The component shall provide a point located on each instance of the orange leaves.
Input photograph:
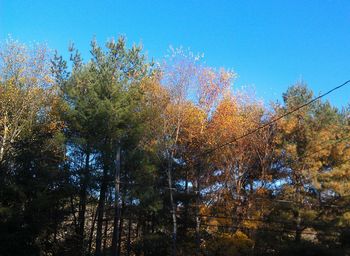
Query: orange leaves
(192, 124)
(226, 120)
(289, 125)
(234, 117)
(212, 85)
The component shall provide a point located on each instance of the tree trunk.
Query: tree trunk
(186, 205)
(128, 243)
(100, 211)
(105, 238)
(120, 233)
(4, 139)
(173, 208)
(94, 217)
(117, 202)
(297, 215)
(82, 203)
(198, 220)
(298, 229)
(122, 214)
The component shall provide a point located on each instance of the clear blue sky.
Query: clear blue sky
(270, 44)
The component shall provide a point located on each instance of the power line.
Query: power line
(276, 201)
(207, 152)
(269, 230)
(265, 229)
(232, 218)
(265, 221)
(334, 142)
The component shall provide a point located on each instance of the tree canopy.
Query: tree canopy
(118, 155)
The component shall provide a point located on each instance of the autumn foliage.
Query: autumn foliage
(119, 156)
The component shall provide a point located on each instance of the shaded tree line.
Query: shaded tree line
(118, 155)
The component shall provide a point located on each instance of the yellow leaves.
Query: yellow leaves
(250, 224)
(25, 66)
(234, 117)
(48, 79)
(193, 118)
(337, 179)
(24, 95)
(226, 122)
(212, 85)
(229, 244)
(288, 125)
(240, 235)
(154, 92)
(291, 149)
(341, 151)
(344, 220)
